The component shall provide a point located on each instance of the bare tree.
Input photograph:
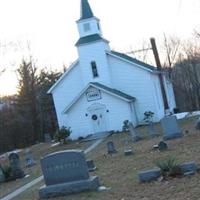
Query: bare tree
(172, 47)
(186, 77)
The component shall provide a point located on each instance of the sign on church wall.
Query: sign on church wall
(93, 95)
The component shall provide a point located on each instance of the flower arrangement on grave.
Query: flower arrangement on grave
(125, 125)
(148, 116)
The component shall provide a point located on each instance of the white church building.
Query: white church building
(102, 88)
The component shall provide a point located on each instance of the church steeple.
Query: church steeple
(88, 24)
(86, 11)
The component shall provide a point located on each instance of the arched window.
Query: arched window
(94, 69)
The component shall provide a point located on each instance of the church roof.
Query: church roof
(133, 60)
(86, 11)
(104, 88)
(89, 38)
(114, 91)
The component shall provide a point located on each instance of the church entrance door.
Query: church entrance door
(98, 118)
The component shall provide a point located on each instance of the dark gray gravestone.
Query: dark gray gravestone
(47, 138)
(189, 167)
(2, 176)
(151, 130)
(127, 149)
(16, 171)
(111, 148)
(91, 166)
(134, 133)
(66, 172)
(162, 146)
(171, 128)
(29, 158)
(149, 175)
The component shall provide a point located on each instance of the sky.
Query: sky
(46, 29)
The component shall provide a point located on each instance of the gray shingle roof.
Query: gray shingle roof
(114, 91)
(133, 60)
(88, 39)
(86, 11)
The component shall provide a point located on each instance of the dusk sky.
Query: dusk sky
(49, 26)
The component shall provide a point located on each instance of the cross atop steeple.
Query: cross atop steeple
(86, 11)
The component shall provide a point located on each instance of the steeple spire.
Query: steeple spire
(86, 11)
(88, 26)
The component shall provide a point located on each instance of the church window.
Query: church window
(86, 27)
(98, 26)
(94, 69)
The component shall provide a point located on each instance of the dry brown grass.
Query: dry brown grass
(120, 172)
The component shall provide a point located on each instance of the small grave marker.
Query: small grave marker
(149, 175)
(134, 133)
(16, 171)
(111, 148)
(127, 149)
(91, 166)
(162, 146)
(151, 130)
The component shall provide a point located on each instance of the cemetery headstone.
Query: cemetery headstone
(29, 158)
(149, 175)
(2, 176)
(134, 133)
(127, 149)
(66, 172)
(47, 138)
(171, 128)
(162, 146)
(16, 171)
(151, 129)
(111, 148)
(91, 166)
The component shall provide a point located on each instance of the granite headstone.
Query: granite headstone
(91, 166)
(111, 148)
(162, 146)
(134, 133)
(171, 128)
(66, 172)
(151, 129)
(16, 170)
(127, 149)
